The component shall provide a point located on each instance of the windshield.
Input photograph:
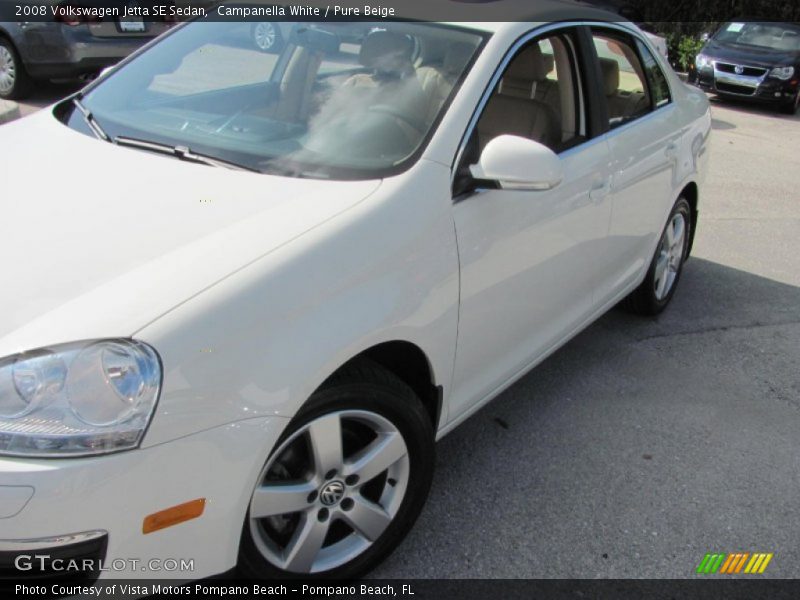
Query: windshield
(341, 100)
(775, 36)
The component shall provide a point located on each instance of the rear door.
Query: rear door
(644, 141)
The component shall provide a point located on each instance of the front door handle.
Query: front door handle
(600, 190)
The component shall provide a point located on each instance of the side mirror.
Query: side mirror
(705, 37)
(517, 163)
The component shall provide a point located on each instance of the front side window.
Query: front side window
(624, 79)
(342, 100)
(536, 97)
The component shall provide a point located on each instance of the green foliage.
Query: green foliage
(682, 50)
(682, 22)
(697, 13)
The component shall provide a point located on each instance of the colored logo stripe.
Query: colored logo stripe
(734, 563)
(738, 562)
(710, 563)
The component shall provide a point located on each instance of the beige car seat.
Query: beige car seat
(438, 82)
(513, 110)
(621, 104)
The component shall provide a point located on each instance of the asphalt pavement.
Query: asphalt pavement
(645, 443)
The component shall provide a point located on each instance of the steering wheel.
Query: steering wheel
(397, 114)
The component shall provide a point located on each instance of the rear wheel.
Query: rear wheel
(15, 83)
(345, 483)
(267, 37)
(659, 285)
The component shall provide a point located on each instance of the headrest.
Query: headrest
(386, 51)
(610, 69)
(549, 63)
(530, 64)
(456, 58)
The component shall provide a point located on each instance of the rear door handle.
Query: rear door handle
(671, 150)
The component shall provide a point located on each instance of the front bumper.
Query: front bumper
(113, 494)
(757, 89)
(24, 561)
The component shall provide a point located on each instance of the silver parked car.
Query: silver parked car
(66, 48)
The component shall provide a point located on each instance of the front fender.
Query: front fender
(261, 341)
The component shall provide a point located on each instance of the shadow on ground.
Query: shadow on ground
(634, 450)
(744, 106)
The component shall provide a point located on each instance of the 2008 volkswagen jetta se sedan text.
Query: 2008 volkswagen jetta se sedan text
(244, 293)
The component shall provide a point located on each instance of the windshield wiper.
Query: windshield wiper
(181, 152)
(90, 120)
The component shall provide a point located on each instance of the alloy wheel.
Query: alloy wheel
(265, 35)
(8, 70)
(670, 256)
(329, 491)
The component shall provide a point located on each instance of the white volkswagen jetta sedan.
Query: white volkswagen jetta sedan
(251, 290)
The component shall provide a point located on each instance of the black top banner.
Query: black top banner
(640, 11)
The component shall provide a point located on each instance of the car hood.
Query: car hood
(100, 240)
(749, 55)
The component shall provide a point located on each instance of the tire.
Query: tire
(15, 83)
(363, 398)
(267, 37)
(791, 108)
(658, 287)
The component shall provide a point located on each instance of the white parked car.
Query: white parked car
(244, 293)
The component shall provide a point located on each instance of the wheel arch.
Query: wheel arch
(409, 363)
(7, 35)
(691, 192)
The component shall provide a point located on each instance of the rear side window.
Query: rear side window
(659, 88)
(624, 79)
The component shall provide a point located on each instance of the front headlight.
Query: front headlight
(701, 61)
(782, 73)
(77, 399)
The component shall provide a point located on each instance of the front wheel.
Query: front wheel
(791, 107)
(658, 287)
(345, 483)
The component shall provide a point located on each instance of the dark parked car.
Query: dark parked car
(755, 61)
(69, 47)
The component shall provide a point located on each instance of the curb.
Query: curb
(8, 111)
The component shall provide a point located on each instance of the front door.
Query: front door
(529, 259)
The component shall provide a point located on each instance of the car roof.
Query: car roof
(496, 15)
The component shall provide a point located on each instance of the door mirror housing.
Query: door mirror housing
(517, 163)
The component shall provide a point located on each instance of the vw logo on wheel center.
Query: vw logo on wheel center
(332, 493)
